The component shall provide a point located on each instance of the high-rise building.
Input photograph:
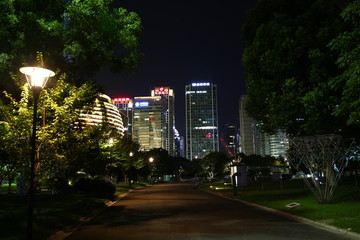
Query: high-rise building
(104, 112)
(253, 141)
(147, 122)
(168, 128)
(201, 119)
(125, 107)
(247, 130)
(274, 145)
(179, 145)
(231, 138)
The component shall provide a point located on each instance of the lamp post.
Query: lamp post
(131, 154)
(36, 78)
(151, 160)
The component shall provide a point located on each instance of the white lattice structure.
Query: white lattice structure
(324, 157)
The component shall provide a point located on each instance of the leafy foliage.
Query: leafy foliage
(214, 164)
(125, 155)
(291, 71)
(58, 110)
(78, 37)
(348, 83)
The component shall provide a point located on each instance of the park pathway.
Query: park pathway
(180, 212)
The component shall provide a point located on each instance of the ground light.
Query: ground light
(36, 78)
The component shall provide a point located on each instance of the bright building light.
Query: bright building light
(200, 84)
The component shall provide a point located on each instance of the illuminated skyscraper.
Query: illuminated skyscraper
(147, 122)
(274, 145)
(168, 128)
(201, 119)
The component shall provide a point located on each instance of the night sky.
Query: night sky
(183, 42)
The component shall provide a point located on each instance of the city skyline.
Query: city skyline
(183, 43)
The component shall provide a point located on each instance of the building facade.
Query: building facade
(274, 145)
(253, 141)
(104, 112)
(201, 119)
(168, 128)
(125, 107)
(231, 137)
(247, 129)
(148, 119)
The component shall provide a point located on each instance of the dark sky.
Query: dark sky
(183, 42)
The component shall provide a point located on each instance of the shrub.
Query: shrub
(58, 185)
(99, 187)
(104, 188)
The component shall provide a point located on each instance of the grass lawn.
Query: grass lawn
(342, 212)
(51, 212)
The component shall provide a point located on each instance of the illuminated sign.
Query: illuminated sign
(141, 104)
(121, 100)
(161, 91)
(200, 84)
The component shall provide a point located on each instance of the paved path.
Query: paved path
(180, 212)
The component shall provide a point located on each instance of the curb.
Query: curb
(351, 235)
(62, 234)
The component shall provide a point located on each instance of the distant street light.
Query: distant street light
(131, 154)
(36, 78)
(151, 160)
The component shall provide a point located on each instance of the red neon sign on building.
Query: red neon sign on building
(161, 91)
(121, 100)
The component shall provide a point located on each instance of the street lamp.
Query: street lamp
(131, 154)
(151, 160)
(36, 78)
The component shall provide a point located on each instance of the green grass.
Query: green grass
(51, 212)
(342, 212)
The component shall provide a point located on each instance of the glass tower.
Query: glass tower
(201, 119)
(168, 128)
(148, 120)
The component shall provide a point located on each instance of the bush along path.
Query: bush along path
(54, 213)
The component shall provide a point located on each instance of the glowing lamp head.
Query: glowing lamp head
(151, 159)
(36, 77)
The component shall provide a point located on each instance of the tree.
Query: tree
(260, 166)
(289, 66)
(78, 37)
(258, 160)
(347, 47)
(15, 127)
(58, 113)
(163, 164)
(214, 164)
(126, 156)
